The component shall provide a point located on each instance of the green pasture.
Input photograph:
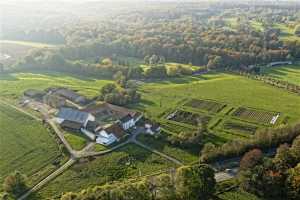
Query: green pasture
(25, 146)
(289, 73)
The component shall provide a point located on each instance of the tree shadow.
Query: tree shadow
(7, 77)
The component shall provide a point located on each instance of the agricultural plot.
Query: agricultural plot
(174, 128)
(206, 105)
(161, 97)
(26, 146)
(186, 117)
(239, 127)
(257, 116)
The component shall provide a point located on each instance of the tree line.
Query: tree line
(264, 139)
(277, 178)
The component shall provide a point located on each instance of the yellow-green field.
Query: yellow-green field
(27, 43)
(25, 145)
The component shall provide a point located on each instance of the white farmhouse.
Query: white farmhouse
(127, 122)
(109, 135)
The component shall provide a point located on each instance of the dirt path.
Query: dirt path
(20, 110)
(48, 179)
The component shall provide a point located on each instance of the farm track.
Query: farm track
(48, 179)
(20, 110)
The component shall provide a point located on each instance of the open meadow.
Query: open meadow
(26, 146)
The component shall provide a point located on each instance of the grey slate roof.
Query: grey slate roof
(73, 115)
(71, 95)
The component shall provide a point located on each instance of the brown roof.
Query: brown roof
(116, 130)
(120, 111)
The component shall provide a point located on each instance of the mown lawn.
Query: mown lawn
(290, 73)
(25, 145)
(129, 161)
(76, 141)
(12, 86)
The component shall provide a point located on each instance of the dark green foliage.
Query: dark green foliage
(119, 96)
(276, 178)
(15, 184)
(195, 182)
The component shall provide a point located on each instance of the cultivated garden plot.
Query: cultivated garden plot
(240, 127)
(257, 116)
(206, 105)
(186, 117)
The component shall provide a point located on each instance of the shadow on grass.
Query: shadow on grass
(7, 77)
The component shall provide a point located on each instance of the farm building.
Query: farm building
(54, 101)
(127, 122)
(110, 134)
(127, 118)
(69, 95)
(152, 128)
(35, 94)
(74, 115)
(93, 126)
(70, 125)
(272, 64)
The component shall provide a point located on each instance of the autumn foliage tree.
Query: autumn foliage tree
(251, 158)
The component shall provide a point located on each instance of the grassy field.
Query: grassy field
(184, 155)
(77, 141)
(290, 73)
(163, 97)
(12, 86)
(25, 145)
(129, 161)
(236, 90)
